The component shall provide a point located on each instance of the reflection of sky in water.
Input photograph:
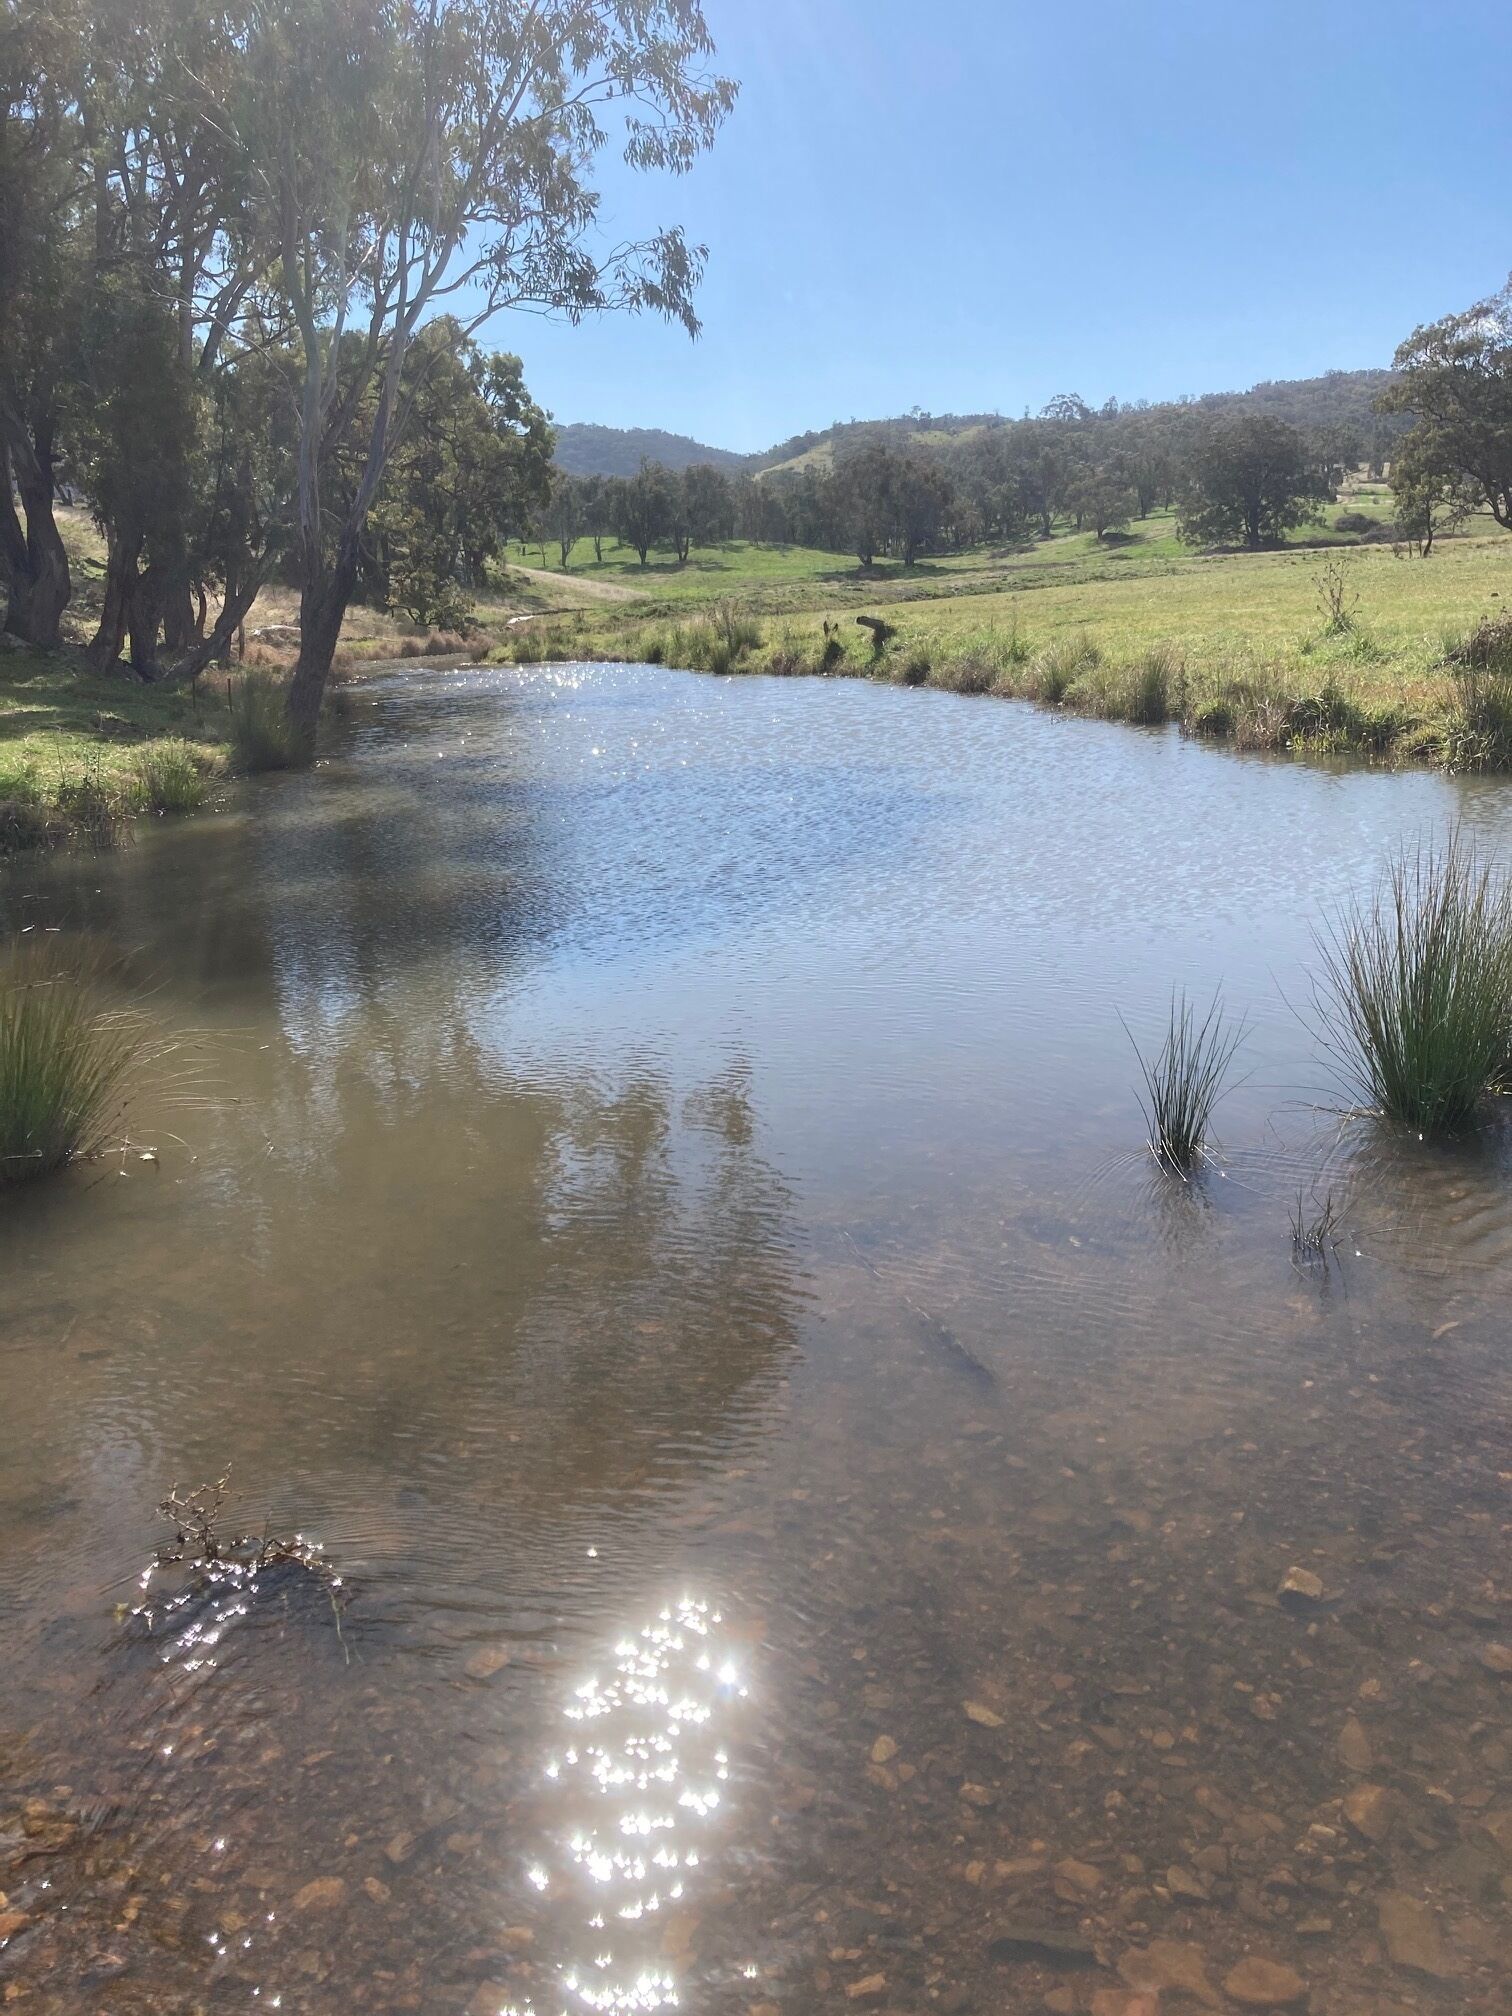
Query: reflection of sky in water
(640, 1779)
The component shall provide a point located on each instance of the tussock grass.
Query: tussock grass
(1055, 670)
(168, 778)
(262, 735)
(1416, 989)
(1183, 1080)
(65, 1057)
(1477, 728)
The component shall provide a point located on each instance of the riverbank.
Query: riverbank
(82, 754)
(1319, 651)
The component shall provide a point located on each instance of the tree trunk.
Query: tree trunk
(35, 561)
(217, 644)
(144, 615)
(322, 609)
(104, 648)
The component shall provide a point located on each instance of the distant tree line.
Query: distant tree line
(1235, 477)
(1234, 473)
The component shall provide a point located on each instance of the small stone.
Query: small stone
(1412, 1935)
(1265, 1984)
(1368, 1809)
(1354, 1746)
(883, 1750)
(1300, 1589)
(983, 1716)
(486, 1661)
(1165, 1964)
(1115, 2002)
(401, 1847)
(979, 1796)
(379, 1892)
(1061, 2002)
(1186, 1883)
(865, 1990)
(12, 1922)
(324, 1894)
(1497, 1659)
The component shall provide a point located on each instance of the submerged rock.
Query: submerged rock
(1368, 1809)
(1300, 1589)
(1412, 1936)
(1026, 1938)
(1167, 1966)
(1354, 1746)
(1265, 1984)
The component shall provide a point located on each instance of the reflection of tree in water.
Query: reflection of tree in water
(426, 1264)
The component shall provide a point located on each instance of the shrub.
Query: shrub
(1357, 521)
(64, 1058)
(914, 671)
(168, 779)
(1416, 994)
(262, 735)
(26, 827)
(1183, 1081)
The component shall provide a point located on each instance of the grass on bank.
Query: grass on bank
(65, 1060)
(1416, 989)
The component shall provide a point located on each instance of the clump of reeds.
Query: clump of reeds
(1183, 1080)
(65, 1057)
(167, 778)
(262, 735)
(1315, 1234)
(1416, 992)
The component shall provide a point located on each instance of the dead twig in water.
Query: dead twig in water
(945, 1336)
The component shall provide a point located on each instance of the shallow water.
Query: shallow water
(650, 1178)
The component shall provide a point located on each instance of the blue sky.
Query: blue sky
(974, 204)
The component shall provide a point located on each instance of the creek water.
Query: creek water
(649, 1176)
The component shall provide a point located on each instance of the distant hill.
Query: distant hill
(584, 450)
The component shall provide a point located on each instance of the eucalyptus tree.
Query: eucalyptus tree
(1456, 380)
(410, 155)
(1249, 480)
